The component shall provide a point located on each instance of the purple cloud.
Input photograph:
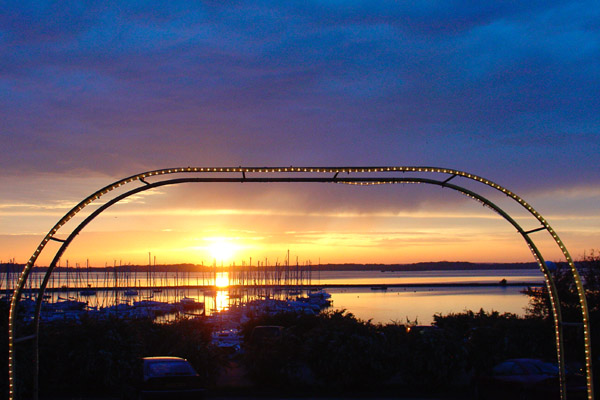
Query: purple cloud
(119, 88)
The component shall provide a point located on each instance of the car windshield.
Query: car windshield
(546, 368)
(508, 368)
(169, 368)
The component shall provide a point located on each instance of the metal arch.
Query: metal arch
(550, 284)
(336, 170)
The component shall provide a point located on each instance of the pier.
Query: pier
(270, 287)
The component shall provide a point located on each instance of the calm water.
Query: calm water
(420, 304)
(400, 305)
(395, 304)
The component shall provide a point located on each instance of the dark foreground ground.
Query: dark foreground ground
(275, 397)
(310, 398)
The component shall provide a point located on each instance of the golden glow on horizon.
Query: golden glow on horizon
(346, 244)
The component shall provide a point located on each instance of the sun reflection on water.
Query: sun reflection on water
(221, 300)
(222, 280)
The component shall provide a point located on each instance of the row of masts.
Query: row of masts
(260, 273)
(274, 275)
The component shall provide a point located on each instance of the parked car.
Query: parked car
(167, 378)
(228, 340)
(528, 378)
(266, 334)
(424, 330)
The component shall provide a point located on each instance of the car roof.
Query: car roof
(528, 360)
(268, 327)
(164, 358)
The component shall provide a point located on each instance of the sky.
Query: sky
(93, 92)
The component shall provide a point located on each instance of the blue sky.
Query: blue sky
(92, 92)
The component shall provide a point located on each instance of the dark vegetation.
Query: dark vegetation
(338, 352)
(333, 352)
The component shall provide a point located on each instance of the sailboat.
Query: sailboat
(88, 291)
(154, 289)
(130, 291)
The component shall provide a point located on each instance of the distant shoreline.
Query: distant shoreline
(421, 266)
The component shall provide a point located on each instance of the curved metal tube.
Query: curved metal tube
(486, 202)
(336, 170)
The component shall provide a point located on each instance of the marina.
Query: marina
(371, 295)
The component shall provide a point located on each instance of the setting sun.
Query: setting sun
(221, 249)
